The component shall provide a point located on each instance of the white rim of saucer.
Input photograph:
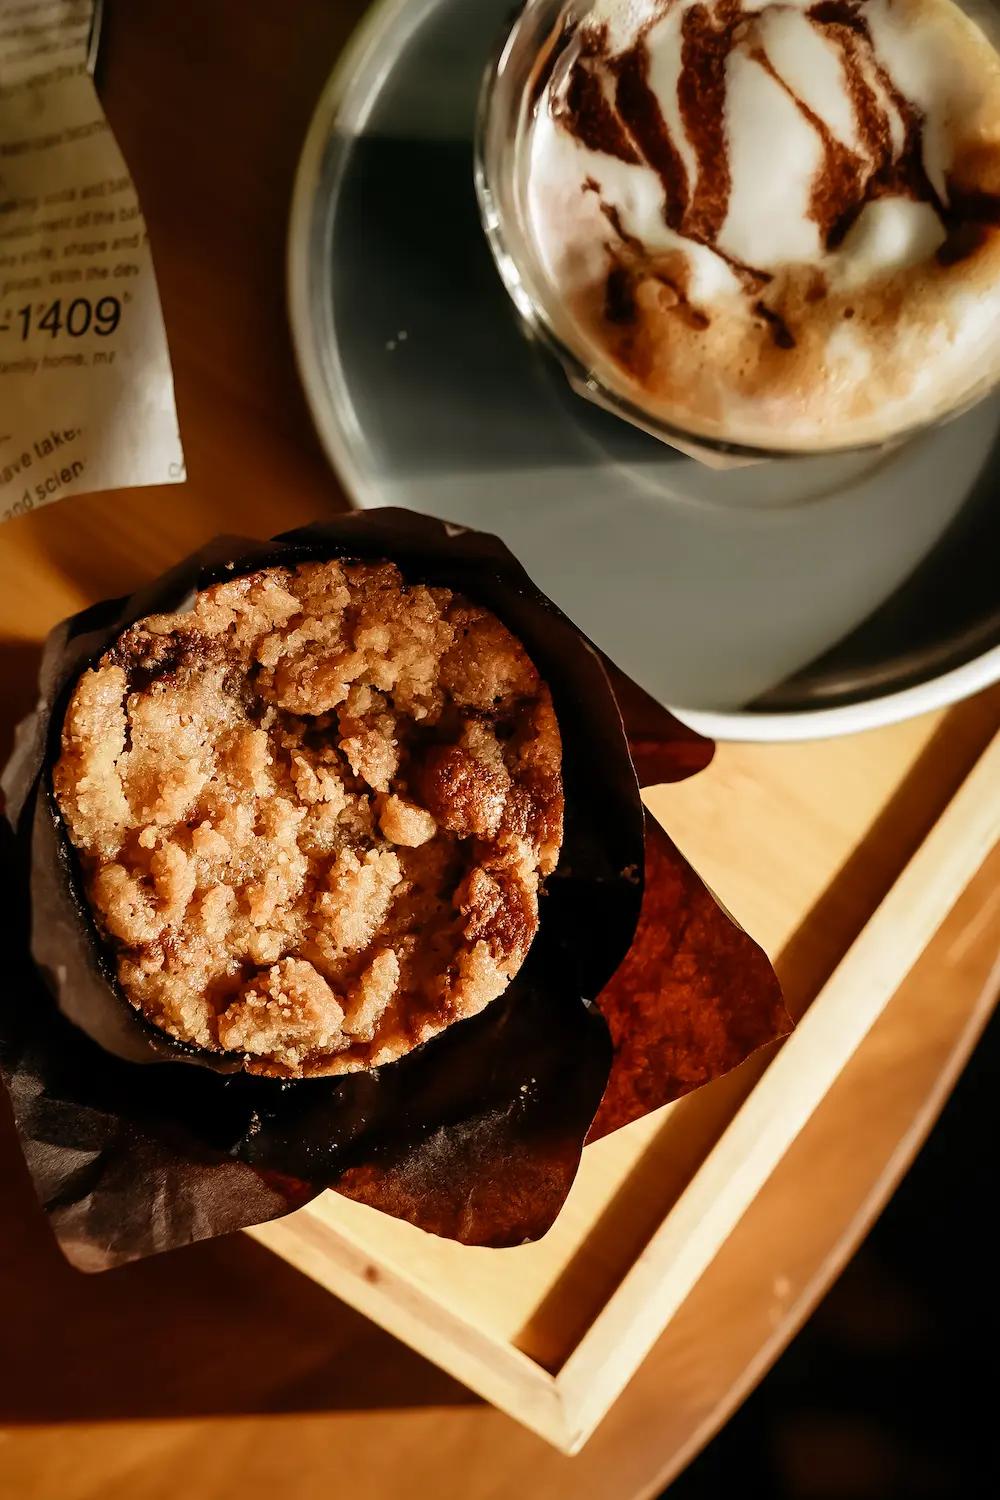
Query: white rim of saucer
(340, 433)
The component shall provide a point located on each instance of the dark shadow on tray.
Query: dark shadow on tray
(19, 676)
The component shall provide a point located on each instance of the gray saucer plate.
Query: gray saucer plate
(780, 601)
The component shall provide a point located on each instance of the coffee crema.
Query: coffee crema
(776, 225)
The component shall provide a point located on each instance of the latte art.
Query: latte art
(778, 224)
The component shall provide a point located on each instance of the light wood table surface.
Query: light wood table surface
(220, 1371)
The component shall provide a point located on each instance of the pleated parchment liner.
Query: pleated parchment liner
(637, 989)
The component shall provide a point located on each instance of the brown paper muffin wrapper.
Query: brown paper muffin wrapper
(638, 986)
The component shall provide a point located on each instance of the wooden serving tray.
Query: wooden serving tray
(843, 858)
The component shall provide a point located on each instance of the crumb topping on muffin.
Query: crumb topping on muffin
(312, 813)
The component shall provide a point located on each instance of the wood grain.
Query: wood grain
(221, 1370)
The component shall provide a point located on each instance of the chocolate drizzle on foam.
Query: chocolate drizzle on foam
(606, 101)
(780, 331)
(584, 109)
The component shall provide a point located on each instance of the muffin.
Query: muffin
(312, 813)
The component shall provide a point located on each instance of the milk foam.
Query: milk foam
(790, 115)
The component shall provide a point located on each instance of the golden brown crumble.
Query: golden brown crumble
(312, 813)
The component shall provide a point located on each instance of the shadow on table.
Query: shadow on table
(888, 1392)
(19, 662)
(219, 1329)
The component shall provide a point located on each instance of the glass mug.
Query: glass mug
(505, 109)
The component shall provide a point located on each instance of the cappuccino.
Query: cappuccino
(775, 225)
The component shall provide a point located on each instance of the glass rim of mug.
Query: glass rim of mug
(581, 374)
